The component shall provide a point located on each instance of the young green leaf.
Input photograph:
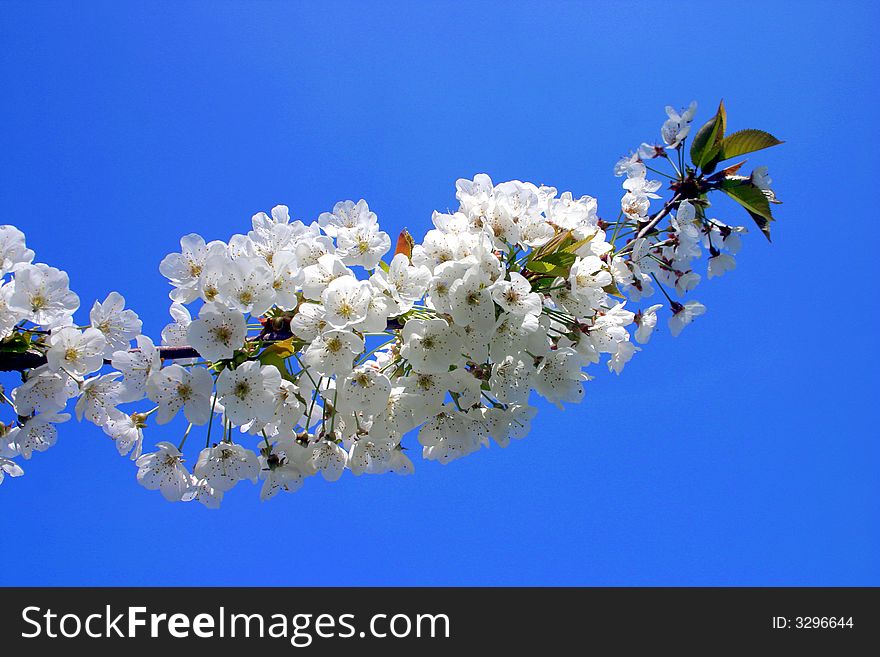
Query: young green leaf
(707, 142)
(15, 343)
(574, 246)
(755, 203)
(746, 141)
(277, 354)
(554, 264)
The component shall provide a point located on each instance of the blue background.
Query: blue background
(744, 452)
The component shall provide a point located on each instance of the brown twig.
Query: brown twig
(652, 223)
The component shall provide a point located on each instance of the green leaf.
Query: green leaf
(707, 142)
(612, 289)
(277, 353)
(746, 141)
(574, 246)
(554, 264)
(15, 343)
(753, 200)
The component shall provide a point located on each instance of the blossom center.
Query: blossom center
(184, 391)
(223, 333)
(38, 302)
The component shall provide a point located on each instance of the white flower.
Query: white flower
(346, 215)
(318, 276)
(329, 459)
(472, 193)
(682, 315)
(263, 223)
(686, 223)
(309, 321)
(288, 411)
(311, 247)
(9, 467)
(510, 422)
(136, 367)
(267, 242)
(429, 388)
(647, 320)
(285, 468)
(621, 356)
(559, 379)
(431, 345)
(13, 251)
(164, 471)
(720, 263)
(570, 213)
(37, 434)
(248, 392)
(516, 296)
(371, 456)
(200, 489)
(76, 352)
(43, 295)
(686, 282)
(126, 431)
(9, 317)
(175, 387)
(450, 435)
(379, 309)
(99, 395)
(333, 352)
(362, 245)
(400, 463)
(285, 271)
(404, 282)
(207, 287)
(511, 379)
(119, 326)
(44, 390)
(247, 285)
(184, 269)
(471, 301)
(218, 332)
(224, 465)
(445, 275)
(346, 301)
(678, 125)
(587, 279)
(174, 334)
(366, 390)
(397, 417)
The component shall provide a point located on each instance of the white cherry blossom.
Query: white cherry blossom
(217, 332)
(42, 294)
(119, 325)
(175, 387)
(247, 392)
(224, 465)
(164, 471)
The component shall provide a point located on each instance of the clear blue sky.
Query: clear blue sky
(744, 452)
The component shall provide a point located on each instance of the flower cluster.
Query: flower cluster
(36, 315)
(313, 352)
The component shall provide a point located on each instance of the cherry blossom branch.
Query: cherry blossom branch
(654, 221)
(27, 360)
(517, 291)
